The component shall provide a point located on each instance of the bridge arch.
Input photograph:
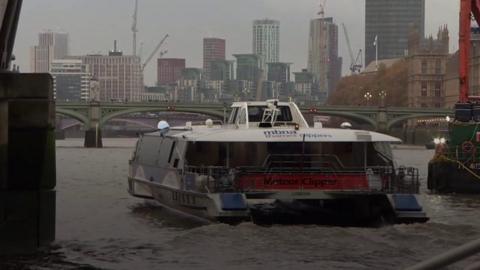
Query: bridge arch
(75, 115)
(138, 123)
(110, 116)
(347, 115)
(400, 119)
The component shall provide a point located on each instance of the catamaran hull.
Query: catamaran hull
(264, 209)
(206, 207)
(341, 210)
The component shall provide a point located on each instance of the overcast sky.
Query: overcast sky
(94, 24)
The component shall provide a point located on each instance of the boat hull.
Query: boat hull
(342, 210)
(206, 207)
(282, 207)
(448, 177)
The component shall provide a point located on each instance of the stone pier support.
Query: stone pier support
(93, 138)
(382, 120)
(27, 162)
(93, 132)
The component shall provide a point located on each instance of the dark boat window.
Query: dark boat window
(255, 113)
(163, 154)
(171, 152)
(175, 163)
(327, 155)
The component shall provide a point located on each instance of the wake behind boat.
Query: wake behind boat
(267, 165)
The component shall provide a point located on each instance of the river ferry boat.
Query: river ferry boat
(267, 165)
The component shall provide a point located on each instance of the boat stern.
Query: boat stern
(230, 208)
(407, 209)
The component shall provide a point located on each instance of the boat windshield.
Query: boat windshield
(255, 114)
(335, 155)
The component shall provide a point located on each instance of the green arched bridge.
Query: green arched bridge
(94, 115)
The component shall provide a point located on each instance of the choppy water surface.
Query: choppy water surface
(99, 226)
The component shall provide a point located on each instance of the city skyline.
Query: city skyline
(187, 29)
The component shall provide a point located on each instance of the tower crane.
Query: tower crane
(355, 62)
(322, 9)
(155, 52)
(135, 29)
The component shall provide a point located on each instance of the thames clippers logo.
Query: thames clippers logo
(293, 134)
(280, 133)
(308, 182)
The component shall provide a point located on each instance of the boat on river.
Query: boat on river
(267, 165)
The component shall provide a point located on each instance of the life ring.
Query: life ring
(468, 147)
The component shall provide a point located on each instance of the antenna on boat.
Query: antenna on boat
(270, 114)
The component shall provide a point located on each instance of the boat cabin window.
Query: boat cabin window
(255, 114)
(326, 155)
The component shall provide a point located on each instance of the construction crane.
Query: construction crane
(155, 52)
(322, 9)
(358, 64)
(135, 29)
(355, 62)
(468, 9)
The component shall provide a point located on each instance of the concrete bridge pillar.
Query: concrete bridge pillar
(382, 120)
(27, 162)
(93, 132)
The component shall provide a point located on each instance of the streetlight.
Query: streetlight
(367, 97)
(382, 96)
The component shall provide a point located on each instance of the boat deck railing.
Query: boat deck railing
(221, 178)
(465, 153)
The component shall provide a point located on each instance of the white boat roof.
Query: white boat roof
(231, 134)
(259, 103)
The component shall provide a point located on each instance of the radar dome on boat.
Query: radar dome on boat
(163, 126)
(346, 125)
(209, 123)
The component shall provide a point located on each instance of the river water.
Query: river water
(99, 226)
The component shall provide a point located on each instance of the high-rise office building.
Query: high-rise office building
(50, 46)
(186, 90)
(279, 72)
(323, 60)
(71, 80)
(213, 49)
(248, 67)
(169, 70)
(119, 76)
(391, 21)
(266, 41)
(221, 70)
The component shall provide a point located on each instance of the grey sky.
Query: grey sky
(94, 24)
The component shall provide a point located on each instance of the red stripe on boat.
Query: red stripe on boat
(303, 181)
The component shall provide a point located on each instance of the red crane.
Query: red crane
(467, 9)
